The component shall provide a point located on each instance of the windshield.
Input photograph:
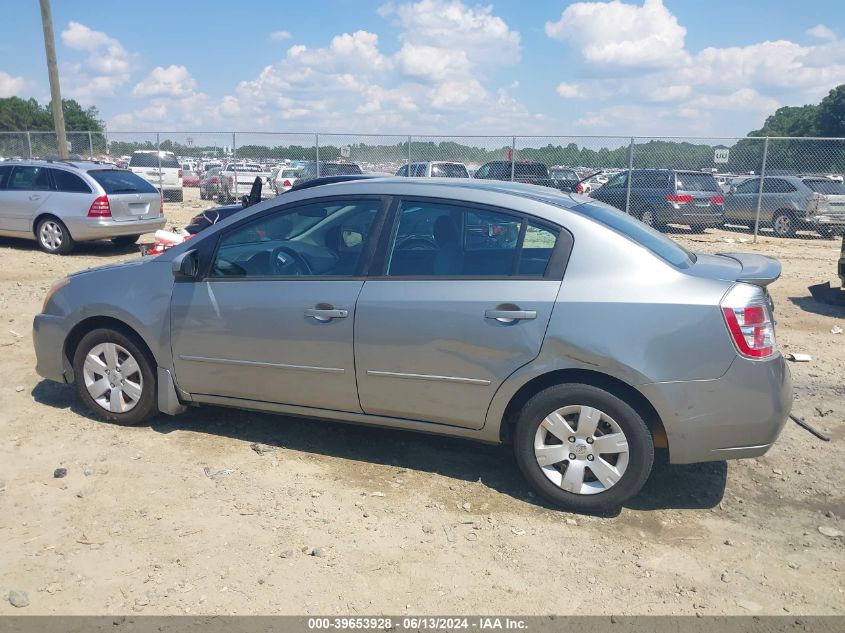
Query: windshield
(824, 185)
(530, 170)
(696, 182)
(121, 181)
(150, 159)
(635, 230)
(449, 170)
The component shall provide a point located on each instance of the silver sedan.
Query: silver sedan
(494, 311)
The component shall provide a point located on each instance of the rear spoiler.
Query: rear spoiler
(756, 269)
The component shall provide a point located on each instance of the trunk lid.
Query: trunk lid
(134, 206)
(750, 268)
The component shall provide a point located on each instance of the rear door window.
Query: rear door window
(650, 180)
(30, 179)
(68, 182)
(531, 170)
(777, 185)
(686, 181)
(121, 181)
(749, 186)
(5, 170)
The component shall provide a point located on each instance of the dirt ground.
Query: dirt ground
(183, 516)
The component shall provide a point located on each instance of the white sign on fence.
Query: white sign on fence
(721, 156)
(346, 151)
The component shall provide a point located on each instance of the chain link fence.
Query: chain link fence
(770, 183)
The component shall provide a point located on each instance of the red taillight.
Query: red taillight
(679, 199)
(749, 321)
(529, 182)
(718, 199)
(579, 188)
(180, 173)
(287, 183)
(100, 208)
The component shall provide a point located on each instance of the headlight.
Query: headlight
(53, 290)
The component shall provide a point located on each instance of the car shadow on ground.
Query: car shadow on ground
(697, 486)
(809, 304)
(99, 248)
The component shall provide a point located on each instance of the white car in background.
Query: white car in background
(284, 179)
(161, 169)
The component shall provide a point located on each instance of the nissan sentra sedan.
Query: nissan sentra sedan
(495, 311)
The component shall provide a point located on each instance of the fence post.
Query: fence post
(409, 157)
(90, 145)
(513, 156)
(234, 194)
(760, 189)
(29, 143)
(158, 153)
(630, 176)
(317, 152)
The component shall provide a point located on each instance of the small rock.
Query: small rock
(518, 531)
(291, 492)
(288, 553)
(571, 521)
(2, 486)
(728, 542)
(19, 388)
(88, 472)
(141, 602)
(319, 552)
(613, 619)
(777, 471)
(467, 506)
(366, 515)
(638, 563)
(836, 330)
(831, 532)
(59, 473)
(377, 494)
(793, 565)
(18, 599)
(472, 536)
(262, 448)
(725, 577)
(314, 494)
(427, 528)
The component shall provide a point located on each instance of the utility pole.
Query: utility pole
(53, 71)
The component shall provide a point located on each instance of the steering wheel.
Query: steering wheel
(287, 262)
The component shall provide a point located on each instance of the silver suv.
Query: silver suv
(59, 203)
(435, 169)
(789, 203)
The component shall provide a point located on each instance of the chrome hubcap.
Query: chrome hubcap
(782, 225)
(648, 218)
(51, 235)
(581, 449)
(113, 377)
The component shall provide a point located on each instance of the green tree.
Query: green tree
(831, 113)
(21, 115)
(791, 121)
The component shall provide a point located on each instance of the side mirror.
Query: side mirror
(185, 265)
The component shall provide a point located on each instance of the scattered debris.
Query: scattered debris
(319, 552)
(805, 425)
(18, 599)
(377, 494)
(571, 521)
(59, 473)
(728, 240)
(466, 506)
(216, 474)
(19, 388)
(823, 413)
(831, 532)
(796, 357)
(518, 531)
(836, 330)
(287, 553)
(261, 449)
(725, 577)
(748, 605)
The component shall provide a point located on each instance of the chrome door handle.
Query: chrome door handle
(325, 315)
(509, 316)
(35, 196)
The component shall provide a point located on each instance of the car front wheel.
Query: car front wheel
(115, 377)
(125, 240)
(783, 224)
(583, 448)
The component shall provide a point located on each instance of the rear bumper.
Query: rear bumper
(738, 415)
(95, 229)
(831, 220)
(48, 338)
(690, 215)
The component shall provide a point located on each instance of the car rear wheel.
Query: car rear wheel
(125, 240)
(647, 217)
(53, 237)
(583, 448)
(783, 224)
(115, 377)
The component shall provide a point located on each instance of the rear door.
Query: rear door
(460, 301)
(741, 203)
(28, 188)
(130, 196)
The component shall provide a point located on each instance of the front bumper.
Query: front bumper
(48, 337)
(98, 229)
(738, 415)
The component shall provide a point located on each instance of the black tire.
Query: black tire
(146, 405)
(828, 233)
(640, 446)
(125, 240)
(202, 194)
(47, 231)
(649, 217)
(783, 224)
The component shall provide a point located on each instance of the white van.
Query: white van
(161, 169)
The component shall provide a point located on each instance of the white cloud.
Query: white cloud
(822, 32)
(619, 33)
(173, 81)
(278, 36)
(569, 91)
(11, 86)
(106, 67)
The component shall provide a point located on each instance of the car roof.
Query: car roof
(82, 165)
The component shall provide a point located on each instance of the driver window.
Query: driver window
(324, 239)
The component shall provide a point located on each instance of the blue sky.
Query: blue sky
(672, 67)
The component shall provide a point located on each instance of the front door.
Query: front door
(273, 318)
(27, 189)
(465, 300)
(741, 203)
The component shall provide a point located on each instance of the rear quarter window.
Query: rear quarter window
(638, 232)
(819, 185)
(69, 183)
(121, 181)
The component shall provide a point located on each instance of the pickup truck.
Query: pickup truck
(235, 181)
